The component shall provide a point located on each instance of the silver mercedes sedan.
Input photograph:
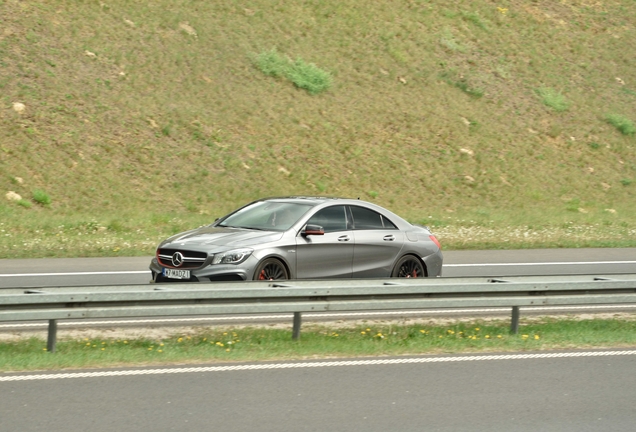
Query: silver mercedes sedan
(300, 238)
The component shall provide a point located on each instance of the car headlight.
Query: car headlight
(235, 256)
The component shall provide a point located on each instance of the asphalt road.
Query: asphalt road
(548, 391)
(127, 271)
(36, 273)
(578, 392)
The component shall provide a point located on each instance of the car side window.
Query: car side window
(365, 219)
(331, 219)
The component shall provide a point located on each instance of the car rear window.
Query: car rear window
(364, 219)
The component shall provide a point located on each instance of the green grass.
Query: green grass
(318, 341)
(304, 75)
(623, 124)
(129, 118)
(553, 99)
(41, 197)
(41, 232)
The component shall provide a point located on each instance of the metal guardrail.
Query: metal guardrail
(298, 296)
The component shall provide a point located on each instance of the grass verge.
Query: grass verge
(45, 234)
(205, 345)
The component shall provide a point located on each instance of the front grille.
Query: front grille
(191, 259)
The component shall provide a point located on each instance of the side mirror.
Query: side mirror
(312, 230)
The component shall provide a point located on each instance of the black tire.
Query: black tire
(409, 267)
(271, 269)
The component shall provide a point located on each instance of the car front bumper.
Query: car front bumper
(209, 273)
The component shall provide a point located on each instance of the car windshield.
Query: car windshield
(266, 215)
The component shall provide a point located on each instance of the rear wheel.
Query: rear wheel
(408, 267)
(271, 269)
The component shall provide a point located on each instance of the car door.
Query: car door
(378, 243)
(329, 255)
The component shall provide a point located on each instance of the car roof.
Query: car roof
(325, 201)
(312, 200)
(316, 201)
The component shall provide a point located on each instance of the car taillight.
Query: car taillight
(434, 239)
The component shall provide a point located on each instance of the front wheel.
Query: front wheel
(271, 269)
(408, 267)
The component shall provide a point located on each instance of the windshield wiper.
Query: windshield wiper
(242, 227)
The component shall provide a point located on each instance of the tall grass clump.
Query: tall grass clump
(553, 99)
(304, 75)
(41, 197)
(272, 64)
(310, 77)
(623, 124)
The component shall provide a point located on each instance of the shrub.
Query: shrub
(304, 75)
(310, 77)
(24, 203)
(271, 63)
(41, 197)
(623, 124)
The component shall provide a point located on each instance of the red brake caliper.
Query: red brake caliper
(262, 275)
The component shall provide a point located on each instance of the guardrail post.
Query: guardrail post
(514, 323)
(296, 329)
(52, 337)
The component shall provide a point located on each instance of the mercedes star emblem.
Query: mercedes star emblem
(177, 259)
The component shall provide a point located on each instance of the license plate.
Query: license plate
(176, 274)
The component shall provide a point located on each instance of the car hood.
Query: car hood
(213, 237)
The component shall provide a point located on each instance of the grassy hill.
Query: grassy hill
(500, 124)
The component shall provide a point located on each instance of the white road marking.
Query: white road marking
(541, 264)
(506, 310)
(312, 364)
(103, 273)
(75, 273)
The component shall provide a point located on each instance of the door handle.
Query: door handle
(389, 238)
(344, 238)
